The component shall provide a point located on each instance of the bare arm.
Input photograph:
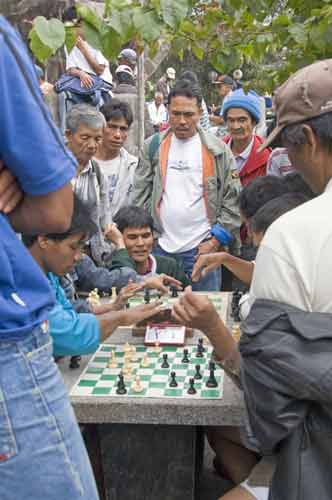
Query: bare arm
(97, 68)
(242, 269)
(48, 213)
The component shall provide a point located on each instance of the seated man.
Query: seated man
(136, 226)
(79, 333)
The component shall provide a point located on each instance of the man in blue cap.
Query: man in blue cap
(242, 112)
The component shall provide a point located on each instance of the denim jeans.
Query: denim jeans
(42, 454)
(211, 282)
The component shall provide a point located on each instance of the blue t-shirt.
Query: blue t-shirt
(32, 148)
(72, 332)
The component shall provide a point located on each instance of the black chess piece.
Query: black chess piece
(185, 358)
(121, 387)
(200, 342)
(75, 362)
(165, 363)
(127, 304)
(198, 375)
(174, 292)
(147, 297)
(173, 382)
(199, 351)
(191, 389)
(211, 381)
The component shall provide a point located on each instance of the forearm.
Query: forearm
(109, 322)
(50, 213)
(242, 269)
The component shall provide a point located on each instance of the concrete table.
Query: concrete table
(149, 449)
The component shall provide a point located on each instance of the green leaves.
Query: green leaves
(174, 11)
(46, 37)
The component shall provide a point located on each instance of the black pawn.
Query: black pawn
(75, 362)
(198, 374)
(147, 297)
(174, 292)
(173, 382)
(191, 389)
(211, 381)
(185, 358)
(200, 342)
(121, 388)
(165, 362)
(200, 351)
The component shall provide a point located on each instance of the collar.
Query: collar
(87, 168)
(244, 155)
(152, 265)
(328, 186)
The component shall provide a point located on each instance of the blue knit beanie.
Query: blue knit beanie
(239, 99)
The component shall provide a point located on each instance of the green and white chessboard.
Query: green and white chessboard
(220, 300)
(99, 380)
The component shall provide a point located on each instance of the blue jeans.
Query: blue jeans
(211, 282)
(42, 454)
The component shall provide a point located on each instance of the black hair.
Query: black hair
(273, 209)
(70, 15)
(132, 216)
(296, 184)
(81, 222)
(293, 135)
(124, 77)
(116, 109)
(259, 191)
(185, 88)
(190, 76)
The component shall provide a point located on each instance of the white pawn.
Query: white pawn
(145, 361)
(112, 361)
(137, 386)
(157, 347)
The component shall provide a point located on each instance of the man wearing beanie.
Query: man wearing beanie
(242, 112)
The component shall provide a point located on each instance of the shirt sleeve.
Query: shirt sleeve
(31, 145)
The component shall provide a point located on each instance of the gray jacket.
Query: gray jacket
(286, 375)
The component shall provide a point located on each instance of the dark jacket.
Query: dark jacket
(286, 375)
(165, 265)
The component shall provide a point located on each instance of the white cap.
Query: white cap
(124, 69)
(170, 72)
(237, 74)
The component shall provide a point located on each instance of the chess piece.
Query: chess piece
(137, 386)
(191, 389)
(127, 369)
(121, 387)
(174, 292)
(145, 360)
(147, 297)
(211, 381)
(126, 348)
(75, 362)
(173, 382)
(185, 358)
(157, 348)
(198, 375)
(165, 363)
(201, 343)
(94, 298)
(112, 361)
(114, 294)
(200, 350)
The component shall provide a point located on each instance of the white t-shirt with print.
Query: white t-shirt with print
(293, 263)
(182, 211)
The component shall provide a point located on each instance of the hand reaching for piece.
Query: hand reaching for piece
(10, 191)
(113, 234)
(161, 281)
(196, 311)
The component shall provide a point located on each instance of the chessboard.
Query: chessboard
(142, 373)
(221, 301)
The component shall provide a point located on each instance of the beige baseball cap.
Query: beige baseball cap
(306, 94)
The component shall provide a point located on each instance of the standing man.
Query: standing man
(42, 455)
(157, 112)
(242, 113)
(185, 180)
(166, 82)
(117, 165)
(284, 361)
(225, 86)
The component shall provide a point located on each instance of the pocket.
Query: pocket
(8, 445)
